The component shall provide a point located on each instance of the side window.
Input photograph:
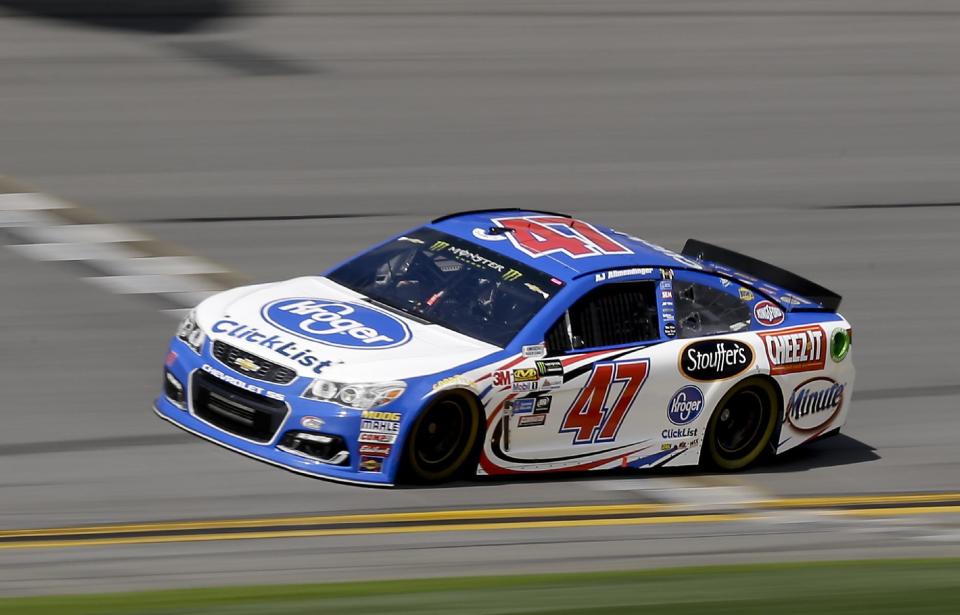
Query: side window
(706, 310)
(622, 313)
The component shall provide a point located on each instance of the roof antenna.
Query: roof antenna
(499, 230)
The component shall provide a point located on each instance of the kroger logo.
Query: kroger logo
(337, 323)
(686, 405)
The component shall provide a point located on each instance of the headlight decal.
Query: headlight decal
(362, 396)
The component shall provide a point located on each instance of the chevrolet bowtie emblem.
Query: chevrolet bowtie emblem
(246, 364)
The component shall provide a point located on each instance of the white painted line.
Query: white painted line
(25, 219)
(74, 251)
(151, 284)
(158, 265)
(81, 233)
(29, 201)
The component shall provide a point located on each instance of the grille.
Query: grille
(235, 410)
(244, 363)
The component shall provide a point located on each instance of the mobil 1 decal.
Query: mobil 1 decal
(801, 349)
(716, 359)
(814, 403)
(605, 400)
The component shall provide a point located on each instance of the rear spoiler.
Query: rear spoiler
(829, 301)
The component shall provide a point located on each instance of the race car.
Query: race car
(508, 341)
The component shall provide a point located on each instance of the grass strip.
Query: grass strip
(856, 587)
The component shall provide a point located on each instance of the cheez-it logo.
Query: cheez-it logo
(541, 235)
(802, 349)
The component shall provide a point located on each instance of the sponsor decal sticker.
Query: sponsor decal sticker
(802, 349)
(375, 450)
(768, 313)
(371, 464)
(523, 406)
(551, 383)
(531, 420)
(685, 405)
(311, 422)
(337, 323)
(670, 329)
(534, 351)
(552, 367)
(378, 415)
(370, 426)
(542, 405)
(377, 438)
(453, 381)
(814, 403)
(666, 274)
(216, 373)
(746, 294)
(171, 358)
(716, 359)
(502, 378)
(678, 432)
(525, 387)
(622, 273)
(525, 374)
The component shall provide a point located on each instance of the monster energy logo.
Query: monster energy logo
(439, 245)
(512, 275)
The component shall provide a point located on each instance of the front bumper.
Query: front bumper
(184, 365)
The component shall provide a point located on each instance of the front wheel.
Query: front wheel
(442, 439)
(742, 425)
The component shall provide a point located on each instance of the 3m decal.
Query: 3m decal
(768, 313)
(590, 418)
(538, 236)
(337, 323)
(502, 378)
(814, 403)
(685, 405)
(801, 349)
(715, 359)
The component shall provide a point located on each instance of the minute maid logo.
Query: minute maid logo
(337, 323)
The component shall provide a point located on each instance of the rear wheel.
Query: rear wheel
(442, 439)
(742, 425)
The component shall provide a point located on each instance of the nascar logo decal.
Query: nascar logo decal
(768, 313)
(337, 323)
(814, 403)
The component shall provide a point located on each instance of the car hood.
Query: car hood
(317, 327)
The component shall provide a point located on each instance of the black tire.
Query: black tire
(742, 424)
(442, 439)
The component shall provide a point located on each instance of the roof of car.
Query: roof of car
(555, 243)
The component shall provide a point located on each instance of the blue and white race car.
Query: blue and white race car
(514, 342)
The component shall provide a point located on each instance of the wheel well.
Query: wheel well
(766, 378)
(464, 395)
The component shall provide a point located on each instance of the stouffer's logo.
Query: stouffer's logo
(715, 359)
(814, 403)
(768, 313)
(337, 323)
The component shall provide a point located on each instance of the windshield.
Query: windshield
(451, 282)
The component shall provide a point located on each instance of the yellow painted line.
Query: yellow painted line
(897, 512)
(418, 529)
(849, 500)
(400, 517)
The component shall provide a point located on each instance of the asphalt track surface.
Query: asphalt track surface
(279, 138)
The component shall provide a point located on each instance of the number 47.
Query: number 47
(589, 417)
